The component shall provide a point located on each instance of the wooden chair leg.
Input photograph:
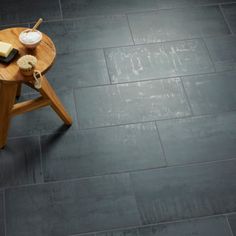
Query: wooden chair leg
(7, 100)
(18, 92)
(48, 92)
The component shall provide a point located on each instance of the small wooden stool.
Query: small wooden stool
(11, 80)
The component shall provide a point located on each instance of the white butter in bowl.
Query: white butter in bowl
(30, 39)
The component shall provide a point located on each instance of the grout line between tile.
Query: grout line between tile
(4, 211)
(162, 146)
(135, 198)
(164, 119)
(106, 63)
(154, 224)
(76, 111)
(123, 173)
(230, 228)
(134, 81)
(23, 136)
(131, 123)
(41, 159)
(131, 33)
(147, 43)
(225, 19)
(209, 54)
(149, 79)
(137, 230)
(60, 7)
(231, 213)
(197, 6)
(118, 14)
(186, 96)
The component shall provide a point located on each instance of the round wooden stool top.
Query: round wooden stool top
(45, 53)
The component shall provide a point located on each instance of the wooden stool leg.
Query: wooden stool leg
(7, 100)
(18, 93)
(48, 92)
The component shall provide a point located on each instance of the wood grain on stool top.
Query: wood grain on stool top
(45, 52)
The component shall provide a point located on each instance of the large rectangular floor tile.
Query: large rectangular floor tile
(67, 208)
(223, 52)
(13, 12)
(176, 24)
(185, 192)
(75, 8)
(168, 4)
(199, 139)
(211, 93)
(89, 33)
(20, 162)
(2, 224)
(80, 69)
(158, 60)
(203, 227)
(44, 120)
(101, 151)
(230, 14)
(130, 103)
(232, 222)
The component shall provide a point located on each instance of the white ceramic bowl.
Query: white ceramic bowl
(33, 42)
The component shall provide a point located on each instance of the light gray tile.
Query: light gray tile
(157, 61)
(129, 103)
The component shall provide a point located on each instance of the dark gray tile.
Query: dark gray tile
(223, 52)
(216, 226)
(2, 224)
(20, 162)
(167, 25)
(89, 33)
(168, 4)
(12, 12)
(158, 60)
(232, 222)
(44, 120)
(130, 103)
(81, 69)
(75, 8)
(67, 208)
(2, 27)
(199, 139)
(185, 192)
(101, 151)
(125, 232)
(211, 93)
(230, 14)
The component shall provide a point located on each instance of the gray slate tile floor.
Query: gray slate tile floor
(152, 150)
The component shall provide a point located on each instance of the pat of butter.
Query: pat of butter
(5, 49)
